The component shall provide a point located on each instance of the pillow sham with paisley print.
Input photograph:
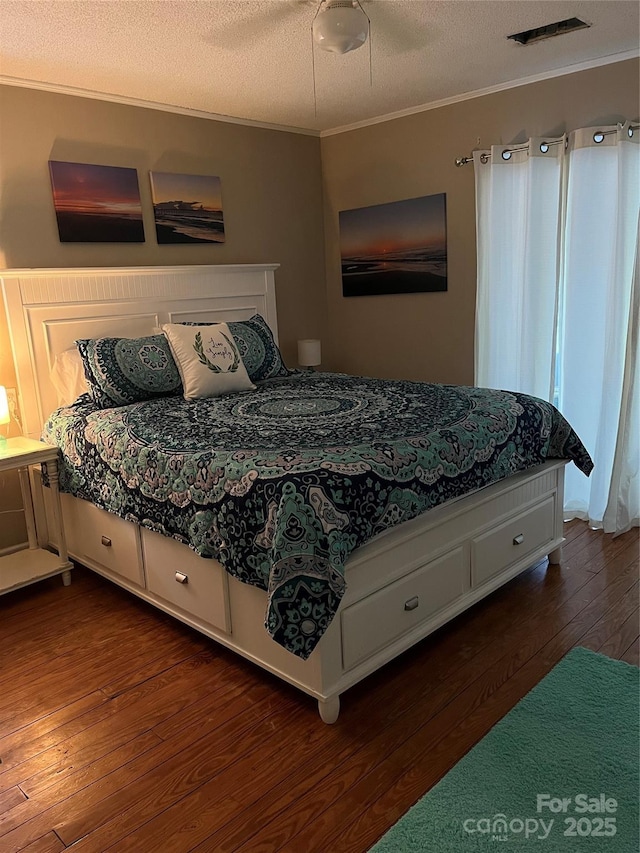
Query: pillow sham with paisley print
(120, 371)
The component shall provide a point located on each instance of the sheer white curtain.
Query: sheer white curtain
(567, 237)
(596, 352)
(518, 198)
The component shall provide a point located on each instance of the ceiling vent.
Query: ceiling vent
(560, 28)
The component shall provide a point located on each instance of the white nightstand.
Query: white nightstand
(33, 563)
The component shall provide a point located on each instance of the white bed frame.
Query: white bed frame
(401, 586)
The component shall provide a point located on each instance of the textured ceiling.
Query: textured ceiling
(253, 60)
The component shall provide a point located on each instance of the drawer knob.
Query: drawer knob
(106, 541)
(182, 578)
(519, 539)
(412, 603)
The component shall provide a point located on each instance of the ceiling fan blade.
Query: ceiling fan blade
(242, 24)
(395, 27)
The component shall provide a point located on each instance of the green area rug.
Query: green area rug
(558, 773)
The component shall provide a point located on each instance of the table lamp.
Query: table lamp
(5, 416)
(309, 353)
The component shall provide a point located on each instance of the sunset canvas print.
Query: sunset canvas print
(399, 247)
(96, 204)
(187, 208)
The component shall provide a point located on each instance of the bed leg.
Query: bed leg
(329, 709)
(555, 557)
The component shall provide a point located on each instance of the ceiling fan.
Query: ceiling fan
(334, 27)
(339, 21)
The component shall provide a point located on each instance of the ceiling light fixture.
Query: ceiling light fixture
(340, 26)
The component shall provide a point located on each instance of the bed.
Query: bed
(318, 524)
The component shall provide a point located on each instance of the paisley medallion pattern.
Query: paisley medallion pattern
(281, 484)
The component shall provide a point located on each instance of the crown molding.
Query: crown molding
(432, 105)
(490, 90)
(74, 91)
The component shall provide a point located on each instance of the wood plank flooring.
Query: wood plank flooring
(123, 730)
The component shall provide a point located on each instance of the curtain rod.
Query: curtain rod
(598, 136)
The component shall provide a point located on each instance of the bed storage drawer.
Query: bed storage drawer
(505, 545)
(385, 615)
(195, 585)
(102, 540)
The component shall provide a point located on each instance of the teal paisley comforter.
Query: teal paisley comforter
(281, 484)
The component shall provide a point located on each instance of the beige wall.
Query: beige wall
(271, 190)
(430, 336)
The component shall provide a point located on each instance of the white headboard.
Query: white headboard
(47, 310)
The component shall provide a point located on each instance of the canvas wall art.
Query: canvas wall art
(399, 247)
(187, 208)
(96, 204)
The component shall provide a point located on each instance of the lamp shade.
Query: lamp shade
(309, 353)
(5, 417)
(340, 27)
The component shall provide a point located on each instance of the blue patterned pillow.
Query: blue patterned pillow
(120, 371)
(257, 347)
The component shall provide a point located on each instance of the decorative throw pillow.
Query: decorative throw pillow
(208, 360)
(120, 371)
(257, 347)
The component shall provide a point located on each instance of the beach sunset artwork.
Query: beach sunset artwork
(399, 247)
(187, 208)
(96, 204)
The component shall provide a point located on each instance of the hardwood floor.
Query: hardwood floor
(123, 730)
